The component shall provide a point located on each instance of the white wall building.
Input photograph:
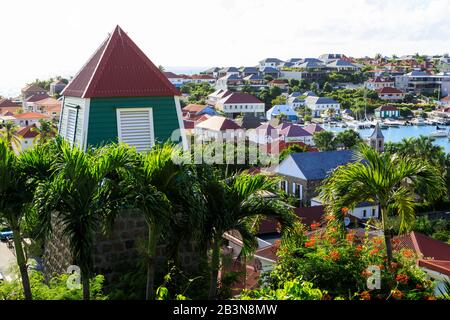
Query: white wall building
(318, 105)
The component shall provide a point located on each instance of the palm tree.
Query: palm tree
(84, 193)
(389, 180)
(18, 175)
(237, 203)
(45, 131)
(152, 179)
(9, 132)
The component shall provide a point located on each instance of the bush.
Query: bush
(55, 289)
(337, 263)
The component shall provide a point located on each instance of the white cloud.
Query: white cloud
(49, 37)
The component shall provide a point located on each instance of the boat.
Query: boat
(418, 122)
(439, 132)
(393, 123)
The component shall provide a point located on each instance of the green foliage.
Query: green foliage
(349, 139)
(279, 100)
(293, 148)
(198, 92)
(295, 289)
(386, 179)
(324, 140)
(55, 289)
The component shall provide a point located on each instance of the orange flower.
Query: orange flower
(314, 226)
(419, 286)
(365, 295)
(374, 251)
(377, 240)
(366, 273)
(397, 294)
(430, 298)
(335, 255)
(333, 240)
(309, 244)
(402, 278)
(407, 253)
(359, 248)
(344, 211)
(329, 217)
(350, 236)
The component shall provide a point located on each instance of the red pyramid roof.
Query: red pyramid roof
(119, 69)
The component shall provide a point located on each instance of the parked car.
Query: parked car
(6, 234)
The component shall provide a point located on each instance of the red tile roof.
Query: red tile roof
(441, 266)
(307, 215)
(37, 97)
(238, 97)
(6, 103)
(386, 90)
(294, 131)
(218, 123)
(30, 115)
(28, 132)
(310, 215)
(424, 246)
(119, 69)
(189, 124)
(313, 128)
(202, 76)
(33, 88)
(194, 108)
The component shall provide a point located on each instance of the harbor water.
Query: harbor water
(396, 134)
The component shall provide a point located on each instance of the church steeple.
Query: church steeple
(376, 140)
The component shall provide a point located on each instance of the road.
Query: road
(7, 260)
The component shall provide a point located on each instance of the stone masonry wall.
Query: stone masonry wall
(118, 251)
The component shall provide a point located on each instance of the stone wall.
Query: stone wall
(118, 251)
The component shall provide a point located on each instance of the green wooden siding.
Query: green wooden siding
(103, 117)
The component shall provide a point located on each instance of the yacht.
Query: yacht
(439, 132)
(393, 123)
(418, 122)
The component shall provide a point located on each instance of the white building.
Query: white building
(379, 82)
(237, 103)
(363, 211)
(318, 105)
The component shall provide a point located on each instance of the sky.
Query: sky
(40, 39)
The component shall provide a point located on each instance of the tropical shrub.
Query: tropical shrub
(338, 263)
(295, 289)
(55, 289)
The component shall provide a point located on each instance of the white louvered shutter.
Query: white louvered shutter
(70, 127)
(135, 128)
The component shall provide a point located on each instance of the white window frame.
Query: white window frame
(152, 124)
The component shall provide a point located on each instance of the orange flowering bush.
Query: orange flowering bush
(338, 262)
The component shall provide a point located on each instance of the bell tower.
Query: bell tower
(376, 140)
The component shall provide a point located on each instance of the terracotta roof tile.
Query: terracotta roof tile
(28, 132)
(30, 115)
(424, 246)
(218, 123)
